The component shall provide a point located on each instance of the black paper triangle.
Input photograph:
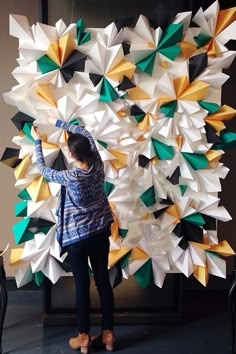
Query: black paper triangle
(124, 22)
(158, 213)
(174, 179)
(75, 62)
(126, 48)
(135, 110)
(196, 65)
(212, 137)
(126, 84)
(143, 160)
(210, 223)
(10, 157)
(59, 163)
(20, 119)
(95, 78)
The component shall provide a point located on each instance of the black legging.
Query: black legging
(97, 249)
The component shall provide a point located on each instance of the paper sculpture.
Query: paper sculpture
(151, 98)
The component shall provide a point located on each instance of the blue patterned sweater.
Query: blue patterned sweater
(83, 209)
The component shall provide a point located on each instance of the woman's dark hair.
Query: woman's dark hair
(80, 147)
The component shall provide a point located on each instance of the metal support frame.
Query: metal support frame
(43, 11)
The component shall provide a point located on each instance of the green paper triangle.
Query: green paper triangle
(124, 260)
(196, 161)
(123, 232)
(38, 278)
(21, 208)
(108, 187)
(144, 276)
(46, 64)
(74, 121)
(170, 52)
(172, 35)
(228, 138)
(24, 195)
(21, 234)
(202, 39)
(146, 65)
(195, 219)
(84, 38)
(163, 151)
(211, 107)
(80, 25)
(139, 117)
(107, 93)
(27, 129)
(168, 109)
(148, 197)
(102, 143)
(45, 229)
(183, 188)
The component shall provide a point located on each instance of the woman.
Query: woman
(83, 228)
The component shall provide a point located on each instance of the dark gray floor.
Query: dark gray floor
(205, 329)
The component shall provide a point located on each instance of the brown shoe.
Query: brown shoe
(105, 340)
(81, 342)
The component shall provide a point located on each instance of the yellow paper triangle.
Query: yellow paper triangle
(201, 274)
(173, 211)
(217, 125)
(136, 93)
(225, 113)
(38, 189)
(213, 155)
(203, 246)
(163, 100)
(212, 48)
(122, 113)
(187, 49)
(225, 18)
(15, 256)
(115, 230)
(120, 159)
(164, 64)
(144, 124)
(138, 253)
(21, 169)
(49, 146)
(196, 91)
(45, 92)
(179, 140)
(116, 255)
(54, 53)
(124, 68)
(181, 84)
(223, 248)
(66, 47)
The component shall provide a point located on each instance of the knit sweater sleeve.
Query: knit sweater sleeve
(75, 129)
(61, 177)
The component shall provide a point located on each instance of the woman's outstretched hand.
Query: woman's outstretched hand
(52, 119)
(35, 132)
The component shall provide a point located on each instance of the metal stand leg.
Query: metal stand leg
(231, 305)
(3, 298)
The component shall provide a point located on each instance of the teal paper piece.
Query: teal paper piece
(196, 161)
(169, 108)
(108, 187)
(123, 232)
(38, 278)
(107, 93)
(24, 195)
(27, 130)
(211, 107)
(170, 52)
(202, 39)
(183, 188)
(20, 232)
(82, 36)
(195, 219)
(46, 64)
(148, 197)
(146, 65)
(144, 276)
(21, 208)
(163, 151)
(172, 35)
(139, 117)
(102, 143)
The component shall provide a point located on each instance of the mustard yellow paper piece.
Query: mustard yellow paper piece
(15, 256)
(203, 246)
(66, 47)
(115, 230)
(164, 64)
(180, 84)
(53, 53)
(225, 18)
(187, 49)
(120, 159)
(201, 274)
(213, 155)
(224, 114)
(138, 253)
(173, 211)
(223, 248)
(116, 255)
(21, 169)
(136, 93)
(217, 125)
(196, 91)
(45, 92)
(124, 68)
(39, 190)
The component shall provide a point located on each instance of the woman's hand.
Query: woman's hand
(52, 119)
(35, 132)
